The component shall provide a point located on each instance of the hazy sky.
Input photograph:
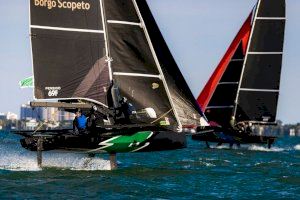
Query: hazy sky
(198, 33)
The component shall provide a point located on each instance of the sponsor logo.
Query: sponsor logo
(155, 86)
(53, 91)
(266, 118)
(50, 4)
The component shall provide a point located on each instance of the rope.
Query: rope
(161, 116)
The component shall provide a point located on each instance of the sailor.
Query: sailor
(79, 123)
(127, 109)
(241, 127)
(92, 118)
(248, 129)
(95, 118)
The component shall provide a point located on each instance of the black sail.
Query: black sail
(184, 101)
(259, 86)
(221, 105)
(133, 65)
(81, 48)
(142, 65)
(68, 50)
(219, 94)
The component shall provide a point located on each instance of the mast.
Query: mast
(257, 94)
(109, 60)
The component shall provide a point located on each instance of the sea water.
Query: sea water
(251, 172)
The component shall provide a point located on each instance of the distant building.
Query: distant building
(31, 124)
(2, 116)
(11, 116)
(292, 132)
(29, 113)
(66, 116)
(44, 114)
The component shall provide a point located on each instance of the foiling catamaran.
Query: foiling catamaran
(98, 55)
(244, 88)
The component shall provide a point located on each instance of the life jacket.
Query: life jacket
(81, 122)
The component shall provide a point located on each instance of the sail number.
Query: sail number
(62, 4)
(53, 91)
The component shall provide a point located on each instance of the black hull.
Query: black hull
(231, 137)
(159, 141)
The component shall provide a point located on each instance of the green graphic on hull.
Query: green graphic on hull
(123, 144)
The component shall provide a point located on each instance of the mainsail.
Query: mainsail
(245, 85)
(68, 48)
(82, 49)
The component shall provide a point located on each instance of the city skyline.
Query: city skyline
(197, 32)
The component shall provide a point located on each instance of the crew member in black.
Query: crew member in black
(95, 119)
(125, 110)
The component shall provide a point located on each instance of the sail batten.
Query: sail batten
(258, 90)
(265, 53)
(271, 18)
(67, 29)
(123, 22)
(136, 74)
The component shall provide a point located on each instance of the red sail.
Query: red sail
(209, 89)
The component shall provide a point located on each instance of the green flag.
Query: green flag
(26, 83)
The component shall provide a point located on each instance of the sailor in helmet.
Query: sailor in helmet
(127, 109)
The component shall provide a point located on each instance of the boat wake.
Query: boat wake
(262, 148)
(253, 148)
(14, 158)
(26, 161)
(225, 147)
(297, 147)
